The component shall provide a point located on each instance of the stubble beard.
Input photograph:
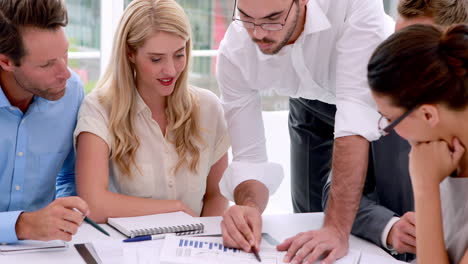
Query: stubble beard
(32, 88)
(285, 40)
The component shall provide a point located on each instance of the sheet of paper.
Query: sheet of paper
(118, 252)
(367, 258)
(210, 250)
(201, 250)
(207, 250)
(25, 246)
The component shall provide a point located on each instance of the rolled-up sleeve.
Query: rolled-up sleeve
(364, 30)
(243, 112)
(222, 141)
(92, 119)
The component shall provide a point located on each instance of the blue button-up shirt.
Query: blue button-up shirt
(37, 158)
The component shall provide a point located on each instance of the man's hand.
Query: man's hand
(402, 236)
(56, 221)
(308, 247)
(242, 227)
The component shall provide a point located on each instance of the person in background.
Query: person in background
(439, 12)
(148, 142)
(419, 80)
(386, 213)
(39, 102)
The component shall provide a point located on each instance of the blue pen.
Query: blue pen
(144, 238)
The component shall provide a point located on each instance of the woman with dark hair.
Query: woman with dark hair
(419, 80)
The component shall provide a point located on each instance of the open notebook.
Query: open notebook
(177, 222)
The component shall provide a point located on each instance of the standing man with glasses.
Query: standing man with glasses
(315, 51)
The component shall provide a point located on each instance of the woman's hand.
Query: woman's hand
(185, 208)
(431, 162)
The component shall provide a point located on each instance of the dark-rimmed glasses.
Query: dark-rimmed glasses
(264, 26)
(385, 128)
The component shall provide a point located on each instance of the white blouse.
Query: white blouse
(454, 197)
(156, 156)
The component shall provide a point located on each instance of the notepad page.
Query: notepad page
(128, 224)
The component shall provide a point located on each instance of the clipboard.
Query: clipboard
(86, 254)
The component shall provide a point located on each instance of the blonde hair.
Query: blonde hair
(118, 91)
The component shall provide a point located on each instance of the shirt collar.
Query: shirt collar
(38, 103)
(316, 21)
(42, 105)
(140, 104)
(4, 102)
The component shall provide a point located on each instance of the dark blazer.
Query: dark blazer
(387, 190)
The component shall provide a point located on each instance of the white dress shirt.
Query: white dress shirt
(156, 156)
(328, 62)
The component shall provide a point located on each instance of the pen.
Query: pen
(255, 252)
(144, 238)
(91, 222)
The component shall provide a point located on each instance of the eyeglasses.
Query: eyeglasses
(264, 26)
(385, 127)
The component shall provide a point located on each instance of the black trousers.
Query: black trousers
(311, 127)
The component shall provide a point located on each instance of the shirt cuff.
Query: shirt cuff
(8, 226)
(385, 233)
(354, 118)
(268, 173)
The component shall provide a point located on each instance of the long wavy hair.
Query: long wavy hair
(118, 91)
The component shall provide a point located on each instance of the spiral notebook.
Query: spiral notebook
(179, 223)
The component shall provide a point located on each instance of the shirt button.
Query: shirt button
(12, 108)
(22, 121)
(20, 154)
(17, 187)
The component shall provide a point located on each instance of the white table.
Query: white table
(278, 226)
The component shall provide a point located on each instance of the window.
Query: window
(83, 32)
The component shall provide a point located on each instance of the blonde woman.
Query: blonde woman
(146, 141)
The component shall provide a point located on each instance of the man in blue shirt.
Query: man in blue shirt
(39, 101)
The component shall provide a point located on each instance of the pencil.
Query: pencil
(91, 222)
(255, 252)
